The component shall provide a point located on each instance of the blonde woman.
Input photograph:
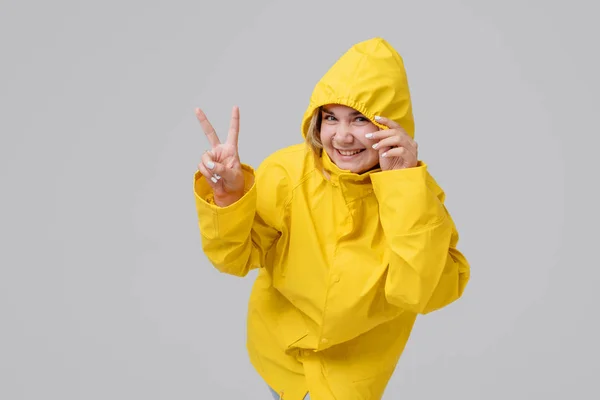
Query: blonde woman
(348, 231)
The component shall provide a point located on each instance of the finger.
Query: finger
(383, 151)
(393, 153)
(212, 181)
(234, 127)
(407, 157)
(381, 134)
(396, 152)
(387, 122)
(215, 168)
(208, 129)
(393, 139)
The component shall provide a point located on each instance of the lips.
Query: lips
(348, 153)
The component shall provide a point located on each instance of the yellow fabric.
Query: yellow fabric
(370, 78)
(345, 261)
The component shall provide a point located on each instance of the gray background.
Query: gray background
(104, 290)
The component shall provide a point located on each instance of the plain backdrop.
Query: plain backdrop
(104, 290)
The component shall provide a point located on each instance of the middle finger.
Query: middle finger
(392, 136)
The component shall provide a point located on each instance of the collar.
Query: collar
(352, 185)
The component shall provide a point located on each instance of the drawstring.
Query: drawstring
(281, 395)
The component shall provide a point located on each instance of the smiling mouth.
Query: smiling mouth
(348, 153)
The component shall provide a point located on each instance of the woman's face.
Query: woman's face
(343, 131)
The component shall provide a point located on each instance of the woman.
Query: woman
(348, 231)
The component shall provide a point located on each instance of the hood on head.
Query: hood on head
(370, 77)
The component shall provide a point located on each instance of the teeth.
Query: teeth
(349, 153)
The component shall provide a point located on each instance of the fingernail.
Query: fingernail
(377, 118)
(217, 176)
(212, 178)
(210, 164)
(369, 135)
(375, 145)
(384, 154)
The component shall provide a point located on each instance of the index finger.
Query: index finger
(387, 122)
(234, 126)
(208, 129)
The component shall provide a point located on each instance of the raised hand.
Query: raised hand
(221, 165)
(397, 150)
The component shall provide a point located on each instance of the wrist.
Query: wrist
(228, 199)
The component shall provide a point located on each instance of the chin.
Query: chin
(354, 169)
(355, 166)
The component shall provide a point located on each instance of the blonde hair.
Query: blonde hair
(313, 136)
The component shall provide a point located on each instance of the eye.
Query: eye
(328, 117)
(361, 119)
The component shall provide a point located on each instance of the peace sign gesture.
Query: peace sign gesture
(221, 165)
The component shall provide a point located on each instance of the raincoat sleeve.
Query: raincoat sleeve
(426, 271)
(236, 238)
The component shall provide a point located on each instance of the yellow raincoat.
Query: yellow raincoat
(345, 261)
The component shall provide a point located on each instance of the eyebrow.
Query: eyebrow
(353, 113)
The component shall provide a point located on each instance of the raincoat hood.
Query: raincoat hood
(370, 77)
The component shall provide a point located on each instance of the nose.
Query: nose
(343, 134)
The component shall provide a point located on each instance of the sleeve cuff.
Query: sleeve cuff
(415, 174)
(204, 196)
(409, 200)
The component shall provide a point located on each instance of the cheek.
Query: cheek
(369, 142)
(360, 136)
(326, 135)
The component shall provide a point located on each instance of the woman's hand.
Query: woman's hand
(397, 150)
(221, 165)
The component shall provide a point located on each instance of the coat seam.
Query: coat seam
(432, 225)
